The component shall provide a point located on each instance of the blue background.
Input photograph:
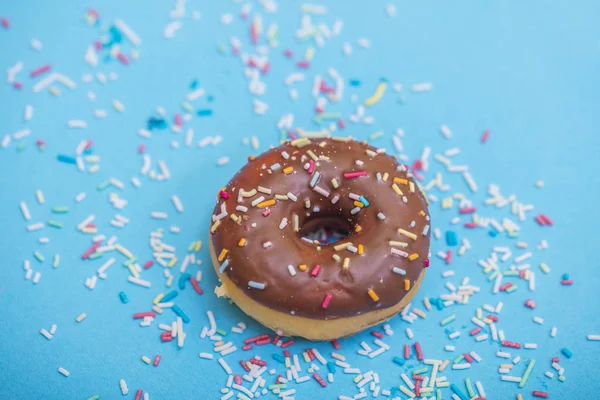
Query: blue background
(528, 71)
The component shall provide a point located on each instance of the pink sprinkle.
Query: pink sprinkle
(470, 225)
(311, 166)
(123, 58)
(141, 149)
(448, 257)
(266, 68)
(287, 344)
(378, 335)
(17, 85)
(350, 175)
(98, 45)
(326, 300)
(5, 23)
(335, 344)
(89, 144)
(266, 212)
(427, 263)
(178, 121)
(485, 136)
(253, 33)
(224, 194)
(40, 70)
(288, 53)
(246, 347)
(315, 271)
(148, 264)
(530, 303)
(319, 110)
(341, 123)
(303, 64)
(466, 210)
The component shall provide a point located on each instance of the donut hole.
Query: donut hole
(325, 229)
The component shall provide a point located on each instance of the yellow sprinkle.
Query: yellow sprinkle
(223, 254)
(397, 190)
(323, 144)
(302, 267)
(80, 317)
(407, 392)
(544, 267)
(487, 320)
(266, 203)
(479, 313)
(422, 213)
(123, 251)
(169, 281)
(373, 295)
(519, 397)
(198, 245)
(342, 246)
(242, 242)
(146, 359)
(385, 177)
(335, 183)
(411, 186)
(133, 271)
(312, 155)
(357, 378)
(300, 142)
(248, 194)
(361, 249)
(336, 257)
(341, 138)
(89, 230)
(407, 233)
(310, 52)
(306, 357)
(413, 256)
(406, 284)
(398, 244)
(346, 264)
(288, 170)
(358, 204)
(281, 197)
(377, 95)
(401, 181)
(158, 298)
(214, 227)
(172, 262)
(358, 228)
(507, 366)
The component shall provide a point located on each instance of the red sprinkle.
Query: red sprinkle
(148, 264)
(17, 85)
(141, 149)
(466, 210)
(485, 136)
(197, 287)
(350, 175)
(89, 251)
(475, 331)
(311, 355)
(138, 394)
(537, 393)
(156, 360)
(246, 347)
(493, 318)
(336, 344)
(448, 257)
(419, 352)
(275, 339)
(166, 337)
(266, 212)
(418, 378)
(243, 364)
(505, 286)
(468, 357)
(315, 270)
(287, 344)
(567, 282)
(40, 70)
(418, 388)
(256, 338)
(543, 220)
(319, 379)
(256, 361)
(406, 351)
(514, 345)
(377, 334)
(470, 225)
(303, 64)
(141, 315)
(237, 379)
(286, 353)
(427, 263)
(555, 359)
(263, 341)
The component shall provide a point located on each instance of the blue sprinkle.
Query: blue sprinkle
(66, 159)
(566, 276)
(493, 233)
(363, 200)
(183, 279)
(354, 82)
(194, 84)
(567, 352)
(451, 239)
(204, 113)
(399, 361)
(124, 298)
(180, 313)
(169, 296)
(279, 357)
(456, 390)
(331, 367)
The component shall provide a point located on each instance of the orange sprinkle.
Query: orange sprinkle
(288, 170)
(302, 267)
(422, 213)
(251, 158)
(401, 181)
(361, 249)
(266, 203)
(413, 256)
(406, 284)
(242, 242)
(373, 295)
(358, 228)
(223, 254)
(358, 204)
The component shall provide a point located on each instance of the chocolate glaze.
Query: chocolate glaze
(303, 294)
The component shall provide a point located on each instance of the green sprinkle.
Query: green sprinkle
(95, 255)
(419, 371)
(458, 359)
(60, 209)
(493, 275)
(376, 135)
(103, 185)
(469, 388)
(221, 332)
(511, 289)
(510, 273)
(129, 261)
(55, 224)
(39, 256)
(447, 320)
(192, 246)
(20, 147)
(221, 48)
(278, 386)
(527, 373)
(187, 107)
(438, 394)
(562, 378)
(94, 397)
(56, 260)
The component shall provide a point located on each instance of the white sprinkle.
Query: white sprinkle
(538, 320)
(283, 223)
(292, 270)
(76, 124)
(593, 338)
(46, 334)
(64, 371)
(177, 203)
(25, 211)
(128, 32)
(158, 215)
(35, 227)
(554, 331)
(139, 282)
(123, 386)
(222, 161)
(461, 366)
(256, 285)
(421, 87)
(446, 131)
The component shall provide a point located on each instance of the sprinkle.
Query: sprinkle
(447, 320)
(63, 371)
(351, 175)
(291, 270)
(283, 223)
(315, 270)
(256, 285)
(288, 170)
(407, 233)
(381, 216)
(379, 91)
(399, 271)
(373, 295)
(326, 300)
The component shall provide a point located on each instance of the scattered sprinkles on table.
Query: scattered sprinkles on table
(294, 367)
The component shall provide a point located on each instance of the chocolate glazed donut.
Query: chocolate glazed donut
(298, 286)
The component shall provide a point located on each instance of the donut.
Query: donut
(300, 286)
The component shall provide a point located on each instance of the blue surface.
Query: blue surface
(525, 70)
